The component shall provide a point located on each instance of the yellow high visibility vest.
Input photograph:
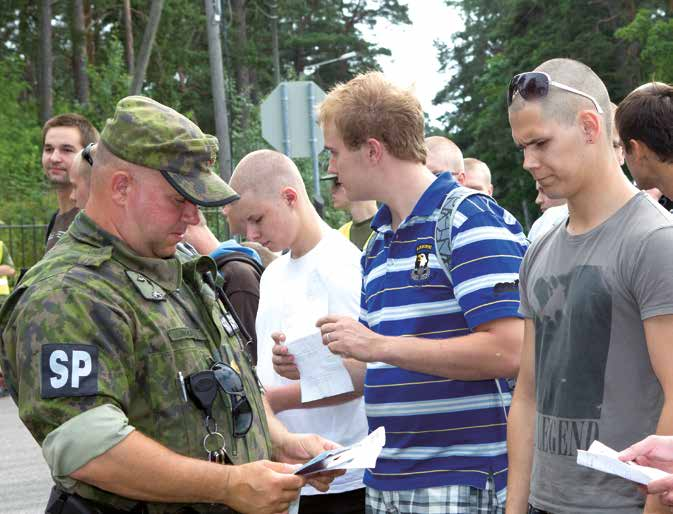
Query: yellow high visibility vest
(4, 282)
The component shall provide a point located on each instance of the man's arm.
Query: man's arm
(263, 486)
(658, 332)
(257, 487)
(287, 397)
(492, 351)
(6, 270)
(521, 427)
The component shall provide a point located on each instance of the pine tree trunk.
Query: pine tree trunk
(78, 30)
(45, 77)
(146, 46)
(242, 70)
(128, 37)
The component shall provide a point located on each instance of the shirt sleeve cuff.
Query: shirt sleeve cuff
(82, 439)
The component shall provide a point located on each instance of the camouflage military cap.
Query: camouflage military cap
(149, 134)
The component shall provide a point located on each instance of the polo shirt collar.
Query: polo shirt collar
(425, 206)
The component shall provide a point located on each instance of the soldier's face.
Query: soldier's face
(157, 216)
(270, 222)
(61, 144)
(79, 180)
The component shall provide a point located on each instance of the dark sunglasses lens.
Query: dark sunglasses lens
(228, 379)
(202, 387)
(230, 382)
(242, 417)
(529, 85)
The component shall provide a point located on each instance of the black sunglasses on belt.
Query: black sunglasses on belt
(202, 388)
(533, 85)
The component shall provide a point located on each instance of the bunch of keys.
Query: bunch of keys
(214, 444)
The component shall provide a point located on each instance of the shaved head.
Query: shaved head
(264, 173)
(563, 106)
(477, 175)
(443, 155)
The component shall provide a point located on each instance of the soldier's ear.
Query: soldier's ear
(120, 182)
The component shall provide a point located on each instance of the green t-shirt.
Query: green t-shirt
(360, 232)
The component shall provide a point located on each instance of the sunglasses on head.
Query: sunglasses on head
(533, 85)
(203, 386)
(86, 153)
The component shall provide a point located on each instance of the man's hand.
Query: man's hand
(283, 361)
(654, 451)
(299, 448)
(349, 338)
(262, 487)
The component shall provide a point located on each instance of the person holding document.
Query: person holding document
(319, 275)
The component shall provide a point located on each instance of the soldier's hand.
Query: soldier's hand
(299, 448)
(283, 361)
(262, 487)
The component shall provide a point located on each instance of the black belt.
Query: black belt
(61, 502)
(533, 510)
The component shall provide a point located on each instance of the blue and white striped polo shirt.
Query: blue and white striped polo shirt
(439, 431)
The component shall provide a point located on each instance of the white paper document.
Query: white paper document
(604, 458)
(360, 455)
(323, 374)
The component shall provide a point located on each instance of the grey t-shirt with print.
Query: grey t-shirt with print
(588, 295)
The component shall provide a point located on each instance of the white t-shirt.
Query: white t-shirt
(293, 294)
(549, 219)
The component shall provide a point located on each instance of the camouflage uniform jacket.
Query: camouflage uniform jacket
(148, 319)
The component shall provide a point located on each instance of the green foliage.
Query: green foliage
(652, 31)
(178, 73)
(25, 194)
(505, 37)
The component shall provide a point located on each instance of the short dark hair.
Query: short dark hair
(646, 115)
(87, 131)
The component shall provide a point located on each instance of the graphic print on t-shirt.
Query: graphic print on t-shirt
(571, 351)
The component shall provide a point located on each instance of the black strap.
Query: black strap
(50, 227)
(238, 257)
(208, 278)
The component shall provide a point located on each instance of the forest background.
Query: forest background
(80, 55)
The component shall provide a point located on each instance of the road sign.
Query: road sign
(288, 119)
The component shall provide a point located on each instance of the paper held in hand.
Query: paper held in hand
(360, 455)
(604, 458)
(322, 373)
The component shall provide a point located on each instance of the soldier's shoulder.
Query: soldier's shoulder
(70, 265)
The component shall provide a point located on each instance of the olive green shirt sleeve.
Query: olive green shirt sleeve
(82, 439)
(61, 316)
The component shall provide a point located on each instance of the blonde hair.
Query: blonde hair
(369, 106)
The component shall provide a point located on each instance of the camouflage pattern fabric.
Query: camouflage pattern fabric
(148, 319)
(149, 134)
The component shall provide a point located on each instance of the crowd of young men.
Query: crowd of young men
(444, 305)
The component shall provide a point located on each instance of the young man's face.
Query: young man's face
(346, 164)
(550, 150)
(638, 160)
(270, 222)
(61, 144)
(156, 215)
(339, 197)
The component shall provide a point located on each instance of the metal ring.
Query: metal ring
(213, 434)
(328, 339)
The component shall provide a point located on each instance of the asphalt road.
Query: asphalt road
(25, 481)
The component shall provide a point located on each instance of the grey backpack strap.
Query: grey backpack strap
(445, 219)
